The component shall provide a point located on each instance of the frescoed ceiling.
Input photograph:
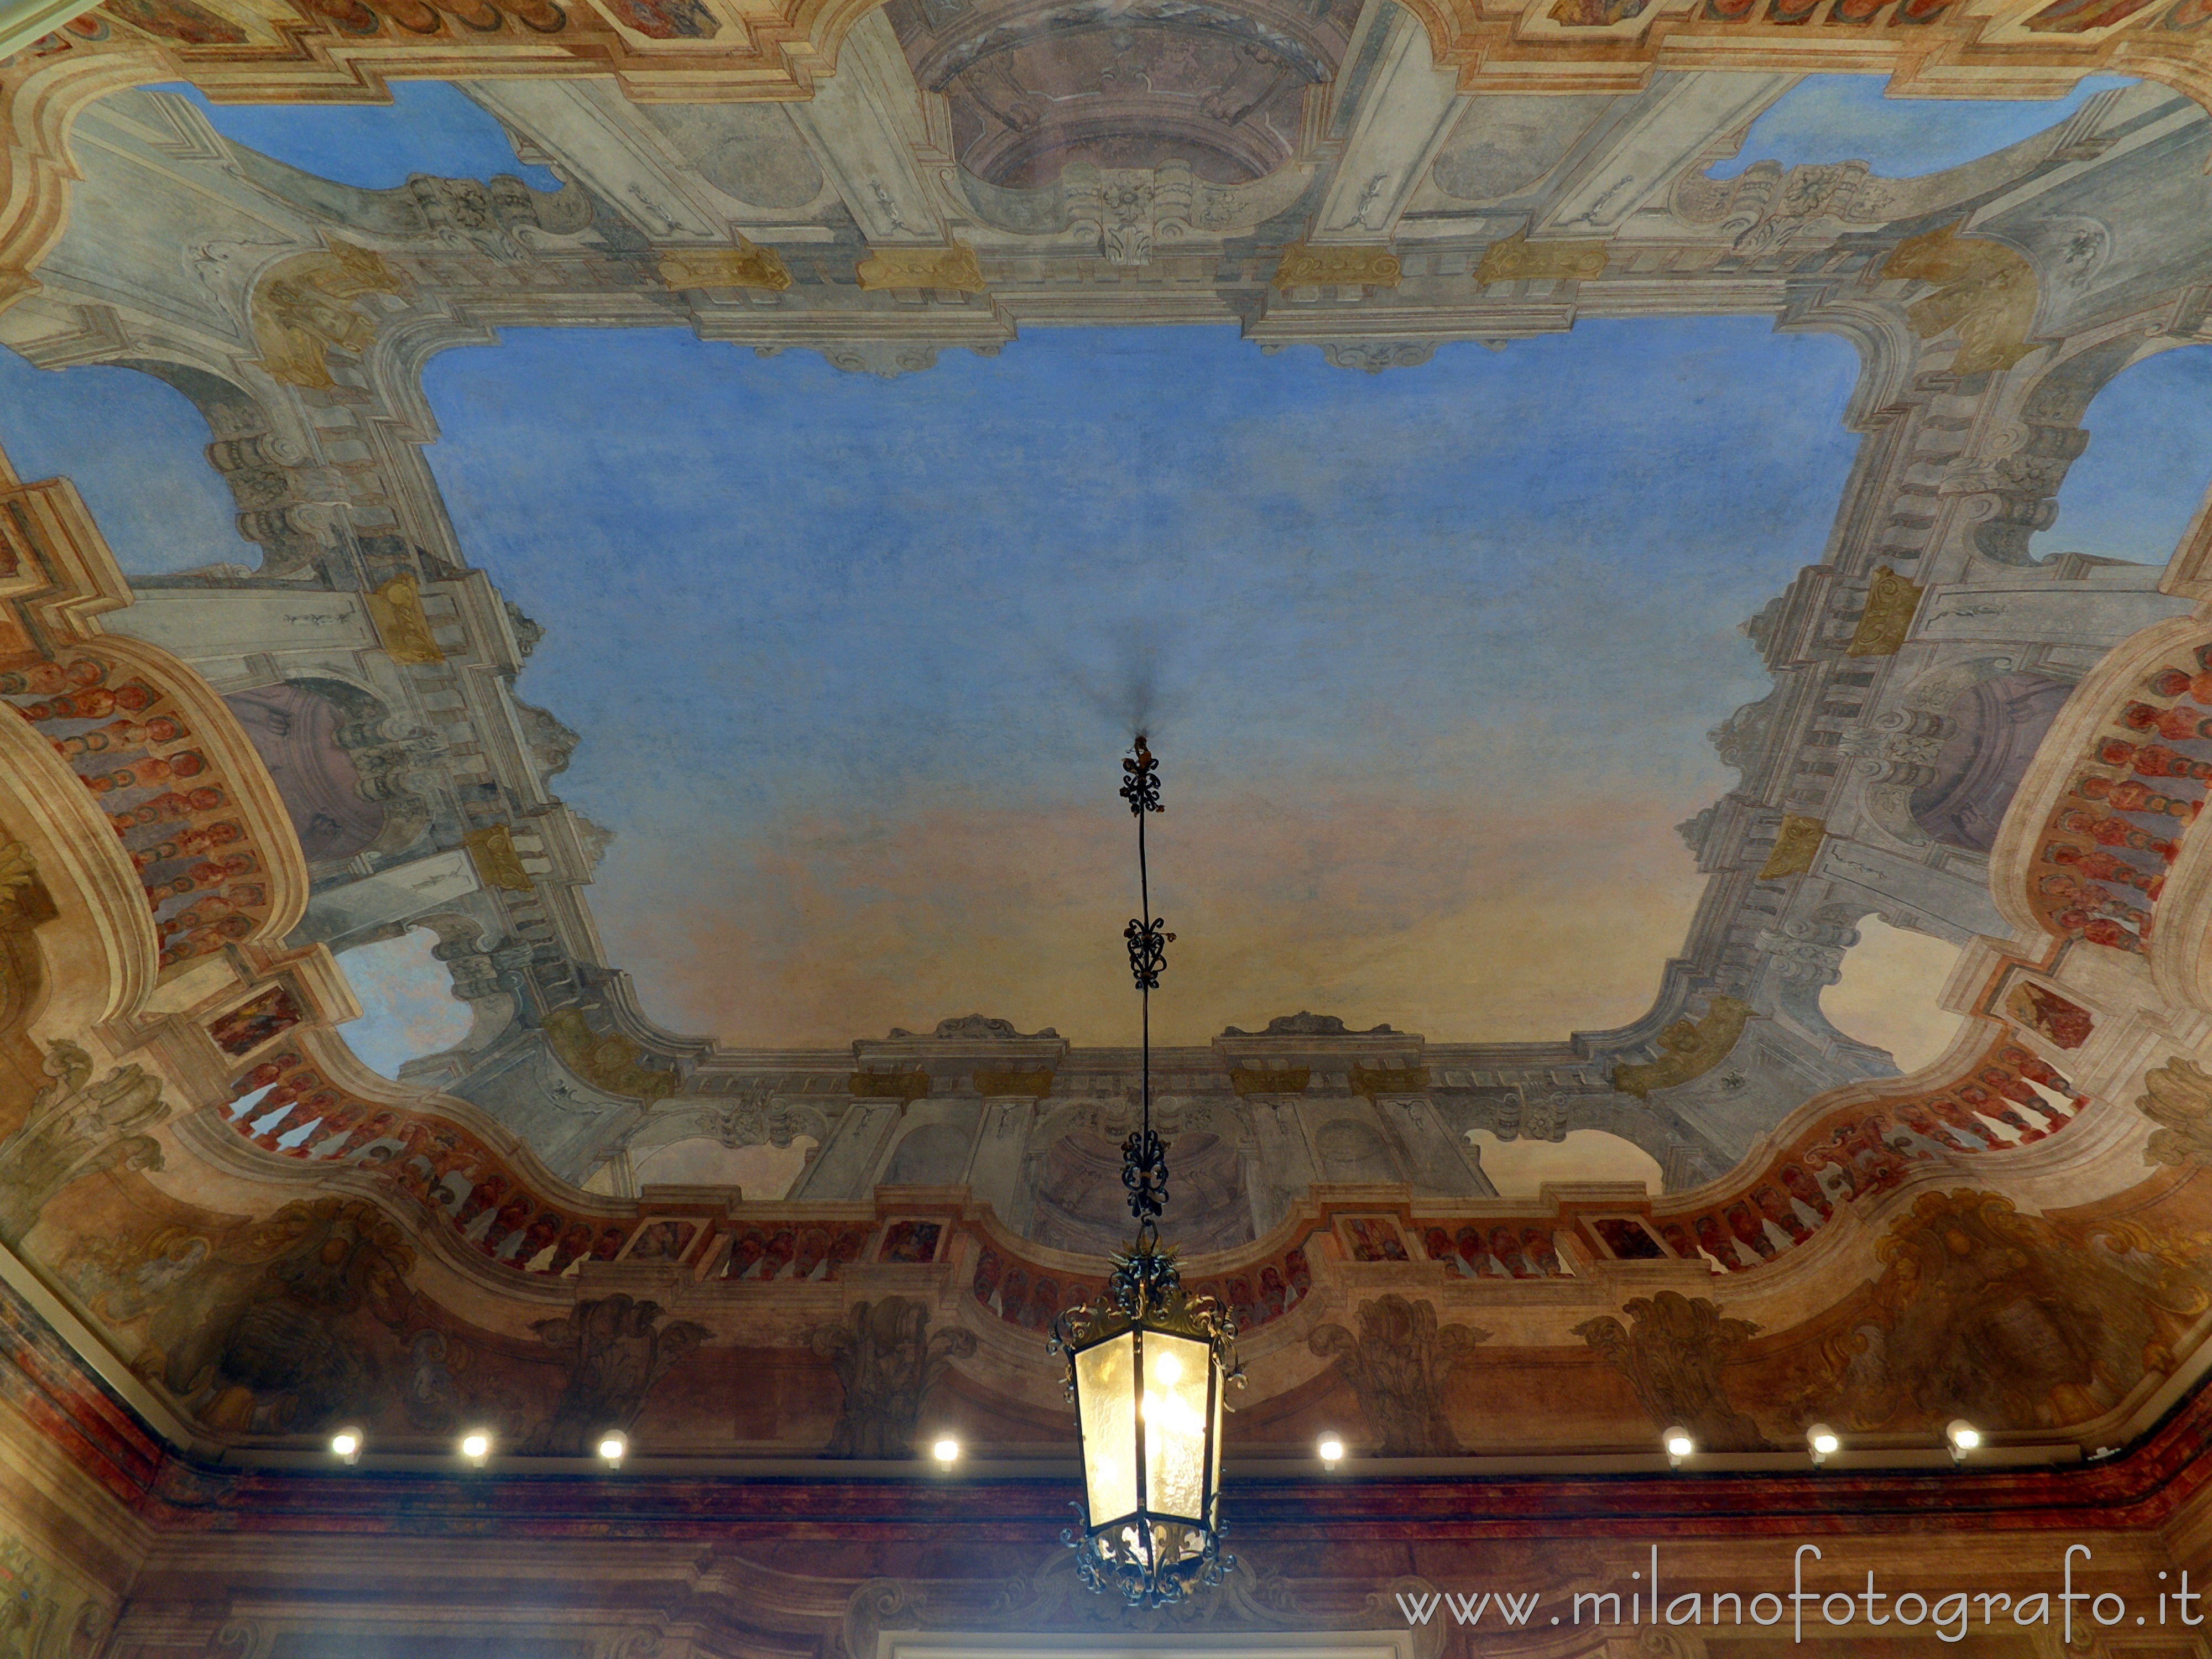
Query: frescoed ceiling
(837, 666)
(1665, 586)
(1432, 654)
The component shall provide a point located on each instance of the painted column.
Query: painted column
(855, 1145)
(1437, 1161)
(1283, 1159)
(1002, 1138)
(390, 896)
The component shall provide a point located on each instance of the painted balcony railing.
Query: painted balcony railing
(290, 1106)
(2100, 845)
(2109, 845)
(194, 809)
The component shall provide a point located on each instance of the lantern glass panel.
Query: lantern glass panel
(1106, 1405)
(1178, 1371)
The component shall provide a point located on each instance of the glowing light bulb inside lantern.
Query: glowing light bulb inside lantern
(1168, 1369)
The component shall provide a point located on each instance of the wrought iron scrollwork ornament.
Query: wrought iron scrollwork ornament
(1158, 1565)
(1140, 788)
(1148, 951)
(1145, 1173)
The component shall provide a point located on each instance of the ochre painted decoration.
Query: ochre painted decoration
(888, 1085)
(75, 1128)
(28, 1607)
(887, 1358)
(661, 1239)
(1396, 1368)
(2114, 835)
(953, 270)
(491, 849)
(2178, 1099)
(303, 307)
(611, 1062)
(1692, 1048)
(396, 607)
(1015, 1086)
(263, 1333)
(1371, 1081)
(1999, 1317)
(746, 266)
(2064, 1024)
(1248, 1080)
(614, 1348)
(1515, 258)
(25, 904)
(176, 20)
(1983, 289)
(1887, 618)
(1795, 845)
(1337, 266)
(1372, 1238)
(1672, 1354)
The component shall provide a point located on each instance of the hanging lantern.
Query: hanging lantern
(1147, 1363)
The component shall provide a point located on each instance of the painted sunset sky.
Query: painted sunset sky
(1429, 657)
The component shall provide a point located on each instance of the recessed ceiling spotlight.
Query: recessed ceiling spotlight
(1822, 1442)
(476, 1446)
(346, 1444)
(1964, 1438)
(1679, 1446)
(614, 1446)
(1330, 1450)
(946, 1452)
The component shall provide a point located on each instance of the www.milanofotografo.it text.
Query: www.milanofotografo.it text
(1947, 1616)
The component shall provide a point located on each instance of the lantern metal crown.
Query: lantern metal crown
(1147, 1362)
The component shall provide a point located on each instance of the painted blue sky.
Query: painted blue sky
(407, 1002)
(1845, 118)
(1429, 656)
(136, 449)
(2132, 492)
(429, 126)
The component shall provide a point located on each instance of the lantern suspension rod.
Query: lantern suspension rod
(1144, 1157)
(1144, 984)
